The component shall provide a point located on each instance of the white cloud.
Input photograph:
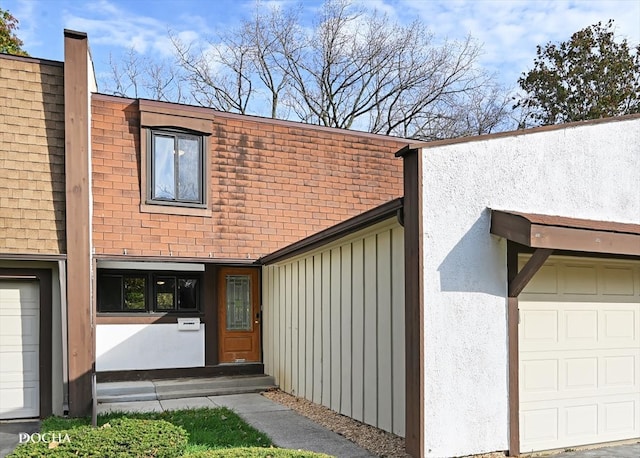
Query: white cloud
(111, 25)
(510, 30)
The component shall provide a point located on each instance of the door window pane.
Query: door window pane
(239, 303)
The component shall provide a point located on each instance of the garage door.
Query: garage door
(579, 345)
(19, 337)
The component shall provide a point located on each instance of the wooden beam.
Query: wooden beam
(78, 222)
(528, 271)
(510, 226)
(594, 241)
(563, 233)
(414, 304)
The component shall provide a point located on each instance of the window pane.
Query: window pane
(238, 302)
(134, 291)
(109, 293)
(165, 292)
(187, 293)
(189, 169)
(163, 168)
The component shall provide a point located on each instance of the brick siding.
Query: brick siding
(31, 157)
(272, 183)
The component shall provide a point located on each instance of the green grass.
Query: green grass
(208, 429)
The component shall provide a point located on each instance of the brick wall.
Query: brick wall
(272, 183)
(31, 156)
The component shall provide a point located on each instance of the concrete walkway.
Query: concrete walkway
(616, 451)
(286, 428)
(10, 434)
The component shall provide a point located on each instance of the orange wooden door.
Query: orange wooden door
(238, 315)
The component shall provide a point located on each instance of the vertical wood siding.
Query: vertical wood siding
(334, 326)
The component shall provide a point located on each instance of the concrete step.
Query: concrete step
(182, 388)
(125, 388)
(127, 397)
(212, 392)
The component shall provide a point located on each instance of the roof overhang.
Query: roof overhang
(561, 233)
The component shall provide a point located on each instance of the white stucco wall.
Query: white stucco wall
(147, 346)
(589, 171)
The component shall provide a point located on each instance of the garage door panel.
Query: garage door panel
(19, 349)
(19, 400)
(580, 420)
(549, 326)
(579, 355)
(620, 325)
(19, 366)
(539, 425)
(579, 279)
(580, 327)
(620, 417)
(569, 375)
(580, 373)
(620, 371)
(539, 376)
(546, 424)
(618, 281)
(538, 326)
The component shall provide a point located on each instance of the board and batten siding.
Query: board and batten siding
(334, 325)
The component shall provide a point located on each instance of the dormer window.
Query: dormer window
(175, 168)
(177, 175)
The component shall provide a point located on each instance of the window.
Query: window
(161, 292)
(175, 169)
(177, 174)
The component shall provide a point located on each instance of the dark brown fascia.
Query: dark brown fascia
(514, 133)
(32, 60)
(216, 261)
(563, 233)
(366, 219)
(33, 257)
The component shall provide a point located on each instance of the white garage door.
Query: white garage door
(579, 344)
(19, 338)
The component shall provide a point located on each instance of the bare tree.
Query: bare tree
(134, 75)
(353, 69)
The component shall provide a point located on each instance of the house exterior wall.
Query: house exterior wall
(148, 346)
(333, 327)
(31, 156)
(585, 171)
(272, 183)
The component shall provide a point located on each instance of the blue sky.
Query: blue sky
(508, 29)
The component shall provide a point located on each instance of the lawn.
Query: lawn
(211, 432)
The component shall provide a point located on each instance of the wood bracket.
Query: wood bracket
(528, 271)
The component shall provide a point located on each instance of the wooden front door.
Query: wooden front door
(239, 315)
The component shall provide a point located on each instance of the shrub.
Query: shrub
(121, 438)
(256, 452)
